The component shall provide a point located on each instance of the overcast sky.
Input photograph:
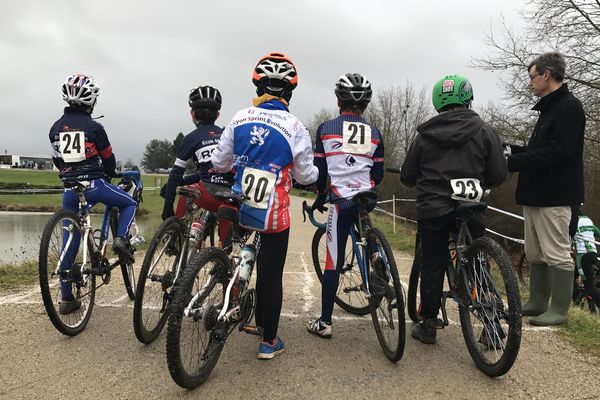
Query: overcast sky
(147, 55)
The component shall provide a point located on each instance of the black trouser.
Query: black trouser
(269, 281)
(434, 233)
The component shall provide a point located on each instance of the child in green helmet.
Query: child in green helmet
(455, 149)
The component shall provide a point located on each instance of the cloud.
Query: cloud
(146, 56)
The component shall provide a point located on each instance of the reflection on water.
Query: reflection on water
(20, 234)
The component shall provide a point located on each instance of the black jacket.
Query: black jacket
(551, 166)
(452, 145)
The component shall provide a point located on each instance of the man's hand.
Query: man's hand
(319, 203)
(507, 150)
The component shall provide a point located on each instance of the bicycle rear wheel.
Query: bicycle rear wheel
(591, 283)
(523, 270)
(387, 299)
(413, 303)
(155, 286)
(193, 349)
(350, 295)
(61, 239)
(490, 307)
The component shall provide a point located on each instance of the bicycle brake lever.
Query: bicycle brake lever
(304, 205)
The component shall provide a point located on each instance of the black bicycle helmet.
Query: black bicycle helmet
(205, 97)
(353, 88)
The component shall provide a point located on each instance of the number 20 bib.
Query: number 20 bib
(258, 185)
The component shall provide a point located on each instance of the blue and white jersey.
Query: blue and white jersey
(264, 145)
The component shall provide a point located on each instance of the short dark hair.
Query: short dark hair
(205, 115)
(357, 108)
(553, 62)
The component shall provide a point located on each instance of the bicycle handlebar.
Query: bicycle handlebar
(306, 209)
(393, 170)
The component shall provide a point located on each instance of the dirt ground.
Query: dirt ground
(107, 362)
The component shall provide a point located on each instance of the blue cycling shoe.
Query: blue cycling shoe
(266, 350)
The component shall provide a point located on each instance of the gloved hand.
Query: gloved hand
(319, 203)
(167, 212)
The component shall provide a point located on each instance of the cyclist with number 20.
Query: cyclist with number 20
(81, 152)
(349, 152)
(455, 156)
(266, 145)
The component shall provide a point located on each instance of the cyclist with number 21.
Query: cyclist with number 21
(266, 145)
(349, 152)
(82, 153)
(454, 157)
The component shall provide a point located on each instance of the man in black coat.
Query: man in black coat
(550, 182)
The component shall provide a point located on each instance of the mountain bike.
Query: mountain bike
(212, 297)
(369, 280)
(173, 245)
(482, 282)
(74, 253)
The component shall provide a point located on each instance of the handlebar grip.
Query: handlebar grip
(394, 170)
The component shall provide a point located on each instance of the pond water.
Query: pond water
(20, 234)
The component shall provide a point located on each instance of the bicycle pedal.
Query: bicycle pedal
(252, 330)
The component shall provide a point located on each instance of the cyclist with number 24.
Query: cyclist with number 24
(82, 153)
(266, 145)
(455, 156)
(349, 152)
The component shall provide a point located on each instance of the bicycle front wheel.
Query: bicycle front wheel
(155, 284)
(193, 349)
(386, 300)
(490, 307)
(349, 295)
(68, 303)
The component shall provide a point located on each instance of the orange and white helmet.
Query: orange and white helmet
(80, 89)
(275, 72)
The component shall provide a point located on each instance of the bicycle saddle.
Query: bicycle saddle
(364, 197)
(468, 207)
(230, 197)
(189, 192)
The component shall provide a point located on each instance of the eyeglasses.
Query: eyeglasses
(532, 77)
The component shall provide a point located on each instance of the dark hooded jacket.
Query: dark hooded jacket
(551, 166)
(452, 145)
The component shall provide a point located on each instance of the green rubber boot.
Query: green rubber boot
(539, 290)
(562, 290)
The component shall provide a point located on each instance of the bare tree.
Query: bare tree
(321, 116)
(571, 27)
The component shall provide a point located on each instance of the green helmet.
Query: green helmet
(452, 89)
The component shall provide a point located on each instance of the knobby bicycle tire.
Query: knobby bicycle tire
(126, 269)
(351, 301)
(385, 296)
(215, 263)
(154, 294)
(521, 268)
(496, 300)
(75, 322)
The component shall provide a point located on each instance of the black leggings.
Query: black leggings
(269, 281)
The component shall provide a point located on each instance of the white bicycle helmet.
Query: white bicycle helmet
(353, 88)
(80, 89)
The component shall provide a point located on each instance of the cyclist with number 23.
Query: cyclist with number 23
(266, 145)
(81, 152)
(455, 156)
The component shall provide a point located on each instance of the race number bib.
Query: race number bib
(466, 189)
(356, 137)
(203, 154)
(258, 185)
(72, 146)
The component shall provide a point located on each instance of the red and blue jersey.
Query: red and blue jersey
(80, 146)
(349, 151)
(266, 145)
